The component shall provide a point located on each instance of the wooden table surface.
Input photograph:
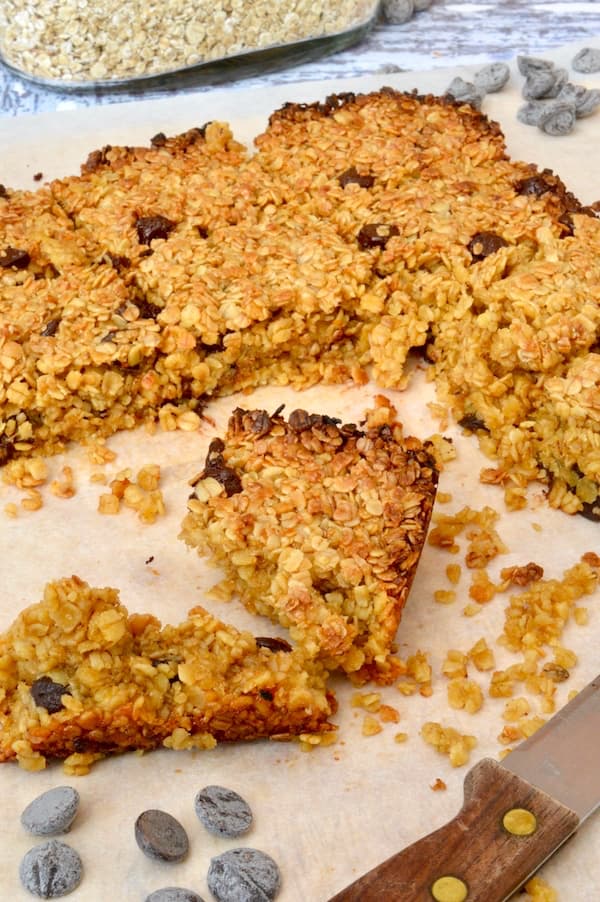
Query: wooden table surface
(450, 32)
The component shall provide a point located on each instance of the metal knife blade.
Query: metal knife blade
(515, 815)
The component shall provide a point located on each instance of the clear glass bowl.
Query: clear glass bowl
(80, 44)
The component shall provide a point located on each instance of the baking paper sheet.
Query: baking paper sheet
(326, 816)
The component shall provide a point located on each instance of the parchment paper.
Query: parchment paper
(329, 815)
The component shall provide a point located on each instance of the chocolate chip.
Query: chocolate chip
(51, 812)
(48, 694)
(160, 836)
(491, 78)
(272, 643)
(173, 894)
(3, 191)
(352, 177)
(51, 328)
(38, 176)
(226, 476)
(534, 186)
(14, 257)
(299, 420)
(376, 234)
(150, 227)
(96, 159)
(243, 875)
(465, 92)
(51, 870)
(482, 244)
(118, 261)
(147, 310)
(222, 811)
(159, 140)
(473, 423)
(266, 694)
(591, 510)
(558, 119)
(586, 60)
(260, 422)
(7, 450)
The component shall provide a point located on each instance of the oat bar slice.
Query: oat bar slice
(82, 678)
(319, 526)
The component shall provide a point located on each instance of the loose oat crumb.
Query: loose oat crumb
(455, 664)
(464, 694)
(482, 589)
(439, 785)
(64, 488)
(388, 714)
(400, 737)
(449, 741)
(443, 497)
(11, 510)
(539, 890)
(482, 655)
(444, 596)
(471, 610)
(370, 701)
(33, 500)
(453, 572)
(521, 576)
(515, 709)
(371, 726)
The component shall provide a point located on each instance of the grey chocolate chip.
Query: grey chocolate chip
(398, 11)
(51, 870)
(539, 84)
(160, 836)
(531, 113)
(585, 101)
(529, 64)
(51, 812)
(561, 77)
(587, 60)
(173, 894)
(465, 92)
(222, 811)
(558, 119)
(243, 875)
(491, 78)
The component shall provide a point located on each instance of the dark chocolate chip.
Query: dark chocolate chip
(7, 450)
(352, 177)
(159, 140)
(51, 812)
(160, 836)
(51, 870)
(3, 191)
(267, 695)
(96, 159)
(14, 257)
(173, 894)
(118, 261)
(376, 234)
(272, 643)
(222, 811)
(147, 309)
(48, 694)
(591, 510)
(38, 176)
(243, 875)
(228, 478)
(534, 186)
(51, 328)
(483, 244)
(299, 420)
(260, 422)
(473, 423)
(150, 227)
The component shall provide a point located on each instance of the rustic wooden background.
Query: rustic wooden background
(450, 32)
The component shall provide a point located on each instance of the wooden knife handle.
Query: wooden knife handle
(481, 858)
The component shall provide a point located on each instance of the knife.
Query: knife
(515, 815)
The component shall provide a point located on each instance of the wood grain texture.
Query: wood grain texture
(474, 846)
(450, 32)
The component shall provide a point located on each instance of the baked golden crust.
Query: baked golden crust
(362, 228)
(319, 526)
(80, 678)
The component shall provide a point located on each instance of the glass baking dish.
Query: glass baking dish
(79, 44)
